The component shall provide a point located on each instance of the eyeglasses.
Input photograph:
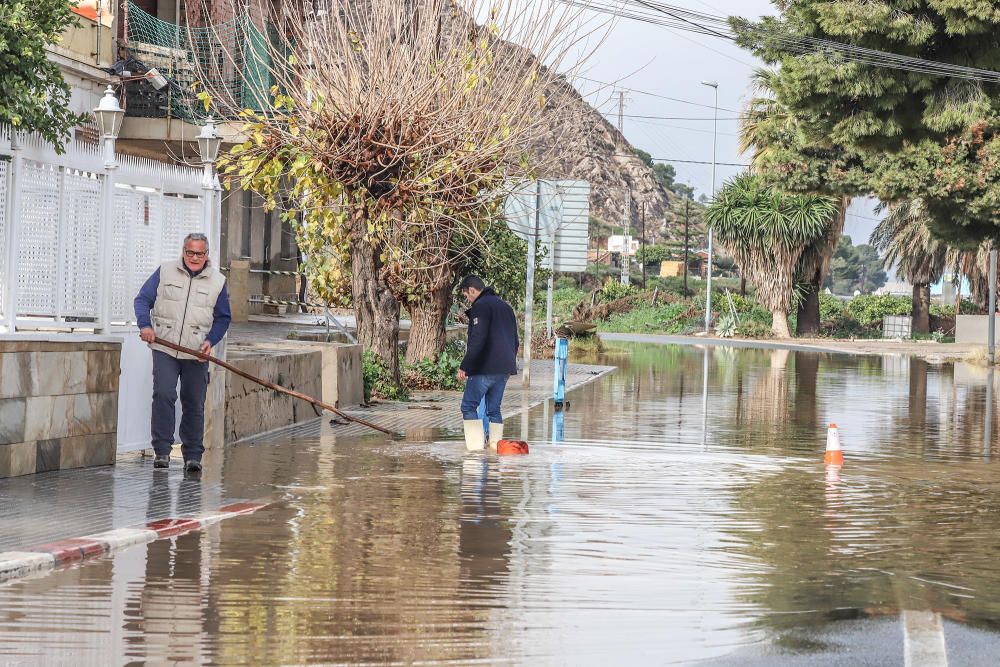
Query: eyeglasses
(194, 253)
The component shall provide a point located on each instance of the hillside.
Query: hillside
(582, 144)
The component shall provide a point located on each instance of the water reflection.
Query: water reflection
(679, 511)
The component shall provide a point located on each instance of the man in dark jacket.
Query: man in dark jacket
(490, 360)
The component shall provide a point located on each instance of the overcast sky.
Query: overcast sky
(657, 63)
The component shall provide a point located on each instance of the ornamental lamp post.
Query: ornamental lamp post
(209, 143)
(109, 116)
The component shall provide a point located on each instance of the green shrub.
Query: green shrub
(744, 304)
(377, 381)
(672, 318)
(948, 309)
(439, 374)
(615, 289)
(869, 309)
(564, 282)
(830, 307)
(749, 328)
(726, 326)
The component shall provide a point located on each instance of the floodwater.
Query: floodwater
(677, 512)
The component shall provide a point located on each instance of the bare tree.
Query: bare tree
(396, 128)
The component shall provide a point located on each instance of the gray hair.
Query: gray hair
(196, 236)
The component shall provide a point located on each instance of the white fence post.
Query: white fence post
(13, 236)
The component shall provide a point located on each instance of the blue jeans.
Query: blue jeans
(489, 386)
(193, 375)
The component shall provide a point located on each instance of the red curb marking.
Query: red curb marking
(170, 527)
(242, 508)
(73, 549)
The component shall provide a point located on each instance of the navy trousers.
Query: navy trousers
(193, 376)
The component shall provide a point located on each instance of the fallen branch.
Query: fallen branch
(269, 385)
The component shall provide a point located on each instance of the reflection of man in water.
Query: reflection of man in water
(168, 620)
(483, 535)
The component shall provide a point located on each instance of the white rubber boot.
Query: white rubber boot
(496, 435)
(475, 437)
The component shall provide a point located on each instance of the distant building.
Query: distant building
(896, 288)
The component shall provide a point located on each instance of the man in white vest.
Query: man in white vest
(184, 302)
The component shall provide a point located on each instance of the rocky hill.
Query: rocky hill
(581, 144)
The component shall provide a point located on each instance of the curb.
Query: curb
(63, 553)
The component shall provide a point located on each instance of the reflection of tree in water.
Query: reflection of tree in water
(776, 403)
(884, 537)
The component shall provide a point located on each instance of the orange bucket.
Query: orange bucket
(511, 447)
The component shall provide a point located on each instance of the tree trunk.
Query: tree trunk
(428, 325)
(921, 322)
(806, 371)
(779, 324)
(743, 284)
(375, 308)
(918, 393)
(807, 322)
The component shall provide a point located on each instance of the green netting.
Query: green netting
(229, 60)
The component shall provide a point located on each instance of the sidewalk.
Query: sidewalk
(53, 507)
(929, 350)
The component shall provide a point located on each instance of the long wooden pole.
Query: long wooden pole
(270, 385)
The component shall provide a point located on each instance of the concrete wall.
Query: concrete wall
(330, 372)
(251, 408)
(974, 329)
(58, 405)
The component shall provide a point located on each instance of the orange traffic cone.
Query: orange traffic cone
(834, 456)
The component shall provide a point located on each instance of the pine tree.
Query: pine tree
(919, 135)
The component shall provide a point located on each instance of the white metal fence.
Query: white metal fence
(70, 258)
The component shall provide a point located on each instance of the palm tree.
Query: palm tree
(772, 134)
(767, 231)
(906, 242)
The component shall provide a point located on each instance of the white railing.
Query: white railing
(69, 258)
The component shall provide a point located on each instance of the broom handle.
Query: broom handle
(269, 385)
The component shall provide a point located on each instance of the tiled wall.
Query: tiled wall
(58, 405)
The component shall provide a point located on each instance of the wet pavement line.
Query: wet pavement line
(43, 558)
(923, 639)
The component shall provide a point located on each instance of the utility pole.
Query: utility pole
(715, 138)
(643, 240)
(991, 328)
(621, 112)
(626, 239)
(626, 222)
(687, 222)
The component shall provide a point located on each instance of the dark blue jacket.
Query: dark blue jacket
(492, 337)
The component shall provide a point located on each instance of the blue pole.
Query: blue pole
(481, 411)
(559, 371)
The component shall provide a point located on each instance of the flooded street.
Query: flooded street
(678, 512)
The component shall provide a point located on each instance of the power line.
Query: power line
(657, 95)
(631, 115)
(666, 159)
(687, 129)
(670, 16)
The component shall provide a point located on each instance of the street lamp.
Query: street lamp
(209, 142)
(715, 137)
(109, 116)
